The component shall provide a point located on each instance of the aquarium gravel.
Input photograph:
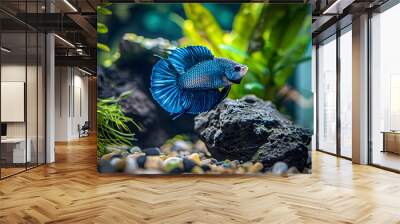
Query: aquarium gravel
(179, 157)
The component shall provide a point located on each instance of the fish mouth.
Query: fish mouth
(243, 71)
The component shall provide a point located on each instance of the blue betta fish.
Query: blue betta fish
(191, 80)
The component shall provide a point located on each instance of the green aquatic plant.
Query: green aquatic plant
(270, 39)
(106, 55)
(113, 126)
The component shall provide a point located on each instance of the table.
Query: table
(391, 141)
(15, 148)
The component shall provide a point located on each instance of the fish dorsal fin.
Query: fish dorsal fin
(184, 58)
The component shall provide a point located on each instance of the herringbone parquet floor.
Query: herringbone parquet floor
(71, 191)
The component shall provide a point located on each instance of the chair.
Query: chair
(84, 130)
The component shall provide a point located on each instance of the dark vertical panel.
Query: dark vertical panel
(338, 73)
(46, 3)
(37, 91)
(369, 78)
(26, 79)
(317, 97)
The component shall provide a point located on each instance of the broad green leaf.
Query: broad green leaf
(295, 26)
(103, 11)
(102, 28)
(244, 23)
(103, 47)
(204, 23)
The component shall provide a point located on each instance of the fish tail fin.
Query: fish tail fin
(176, 115)
(164, 88)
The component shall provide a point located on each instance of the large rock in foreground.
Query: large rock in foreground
(253, 129)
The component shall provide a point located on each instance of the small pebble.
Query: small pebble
(104, 166)
(196, 158)
(206, 161)
(131, 164)
(118, 164)
(111, 155)
(188, 165)
(257, 167)
(176, 170)
(247, 166)
(107, 156)
(141, 160)
(226, 165)
(183, 154)
(124, 154)
(216, 169)
(240, 170)
(135, 149)
(197, 170)
(163, 157)
(181, 146)
(206, 168)
(279, 168)
(293, 170)
(172, 163)
(152, 151)
(219, 163)
(236, 162)
(153, 162)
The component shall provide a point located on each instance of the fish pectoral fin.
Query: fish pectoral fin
(225, 92)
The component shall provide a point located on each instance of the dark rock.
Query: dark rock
(152, 151)
(283, 145)
(205, 167)
(176, 171)
(188, 165)
(250, 129)
(141, 161)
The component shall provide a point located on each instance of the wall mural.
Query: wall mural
(204, 88)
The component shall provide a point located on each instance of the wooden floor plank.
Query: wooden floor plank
(71, 191)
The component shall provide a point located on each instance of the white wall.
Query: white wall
(71, 102)
(33, 126)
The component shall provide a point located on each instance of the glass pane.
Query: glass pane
(31, 98)
(327, 96)
(346, 94)
(13, 87)
(32, 86)
(41, 98)
(385, 84)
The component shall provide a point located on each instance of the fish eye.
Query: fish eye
(237, 68)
